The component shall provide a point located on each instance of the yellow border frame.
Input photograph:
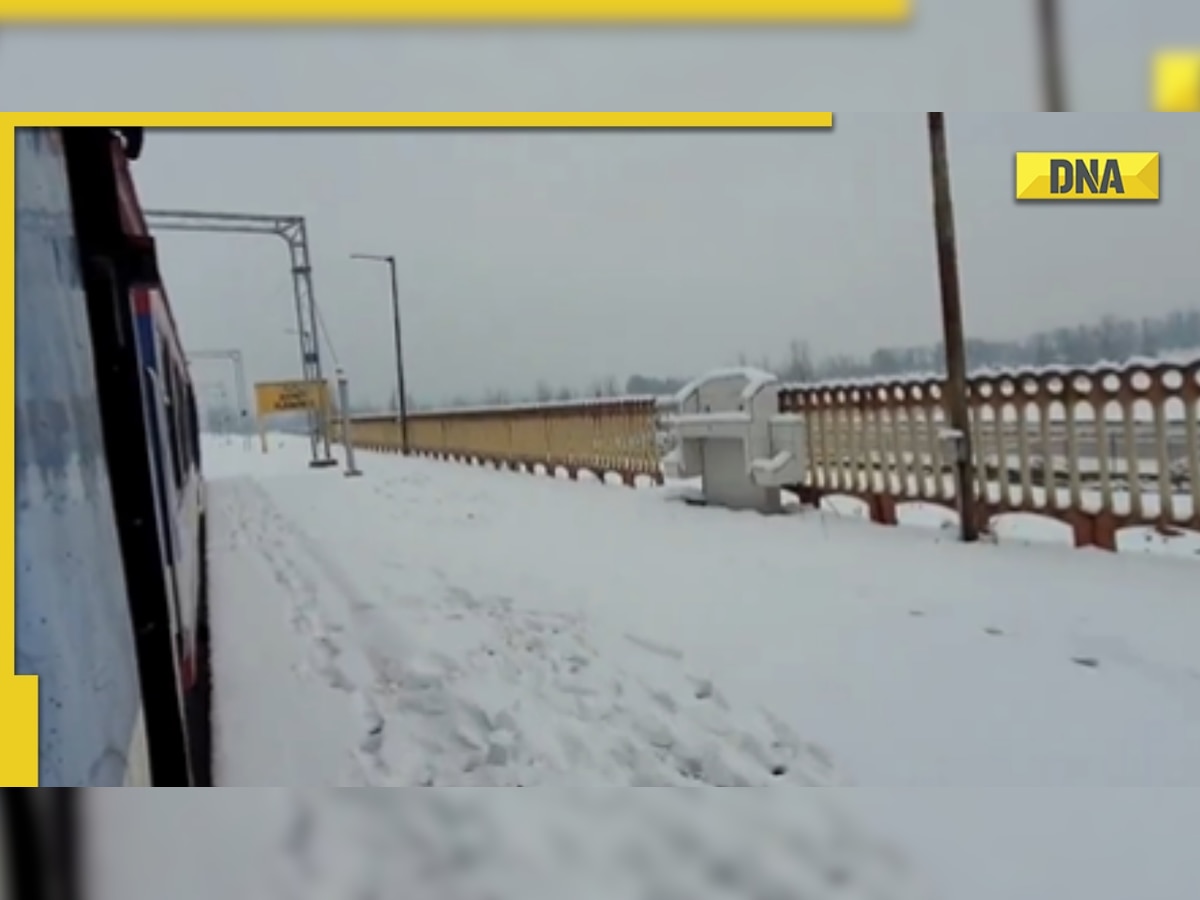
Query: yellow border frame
(1175, 80)
(422, 120)
(465, 12)
(18, 694)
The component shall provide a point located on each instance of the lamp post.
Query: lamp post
(396, 332)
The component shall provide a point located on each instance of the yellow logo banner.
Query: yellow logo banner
(1087, 175)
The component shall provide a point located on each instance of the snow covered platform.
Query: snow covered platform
(604, 844)
(437, 624)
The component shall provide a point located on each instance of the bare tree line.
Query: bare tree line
(1108, 338)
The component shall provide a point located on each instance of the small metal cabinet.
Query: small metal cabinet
(730, 434)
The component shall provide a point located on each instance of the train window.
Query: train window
(177, 403)
(193, 427)
(172, 406)
(157, 390)
(185, 437)
(181, 425)
(177, 409)
(185, 420)
(185, 417)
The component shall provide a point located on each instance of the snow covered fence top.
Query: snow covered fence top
(602, 435)
(756, 380)
(1140, 368)
(1141, 390)
(587, 404)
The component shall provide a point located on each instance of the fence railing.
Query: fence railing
(610, 436)
(1098, 449)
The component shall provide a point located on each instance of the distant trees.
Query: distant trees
(800, 365)
(641, 385)
(1111, 338)
(605, 387)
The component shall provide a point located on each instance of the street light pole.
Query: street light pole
(402, 396)
(952, 324)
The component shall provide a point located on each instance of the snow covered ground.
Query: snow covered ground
(973, 844)
(432, 677)
(436, 624)
(466, 626)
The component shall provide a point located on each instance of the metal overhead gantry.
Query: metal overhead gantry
(294, 232)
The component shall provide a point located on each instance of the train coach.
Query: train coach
(110, 526)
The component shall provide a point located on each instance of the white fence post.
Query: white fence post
(343, 386)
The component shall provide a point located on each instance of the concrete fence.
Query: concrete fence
(610, 436)
(1098, 449)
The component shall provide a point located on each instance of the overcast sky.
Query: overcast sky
(957, 54)
(575, 256)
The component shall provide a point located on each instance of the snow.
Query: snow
(581, 403)
(482, 689)
(1000, 844)
(1139, 365)
(688, 423)
(982, 844)
(439, 624)
(756, 380)
(578, 621)
(683, 420)
(772, 465)
(454, 845)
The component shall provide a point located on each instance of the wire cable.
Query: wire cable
(328, 340)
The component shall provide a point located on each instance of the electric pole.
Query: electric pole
(955, 398)
(1054, 91)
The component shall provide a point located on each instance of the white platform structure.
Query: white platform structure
(729, 433)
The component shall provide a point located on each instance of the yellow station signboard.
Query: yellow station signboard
(275, 397)
(290, 396)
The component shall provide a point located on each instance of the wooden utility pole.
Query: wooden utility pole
(1054, 91)
(957, 413)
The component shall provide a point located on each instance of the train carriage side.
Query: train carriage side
(177, 480)
(177, 483)
(109, 495)
(120, 277)
(72, 619)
